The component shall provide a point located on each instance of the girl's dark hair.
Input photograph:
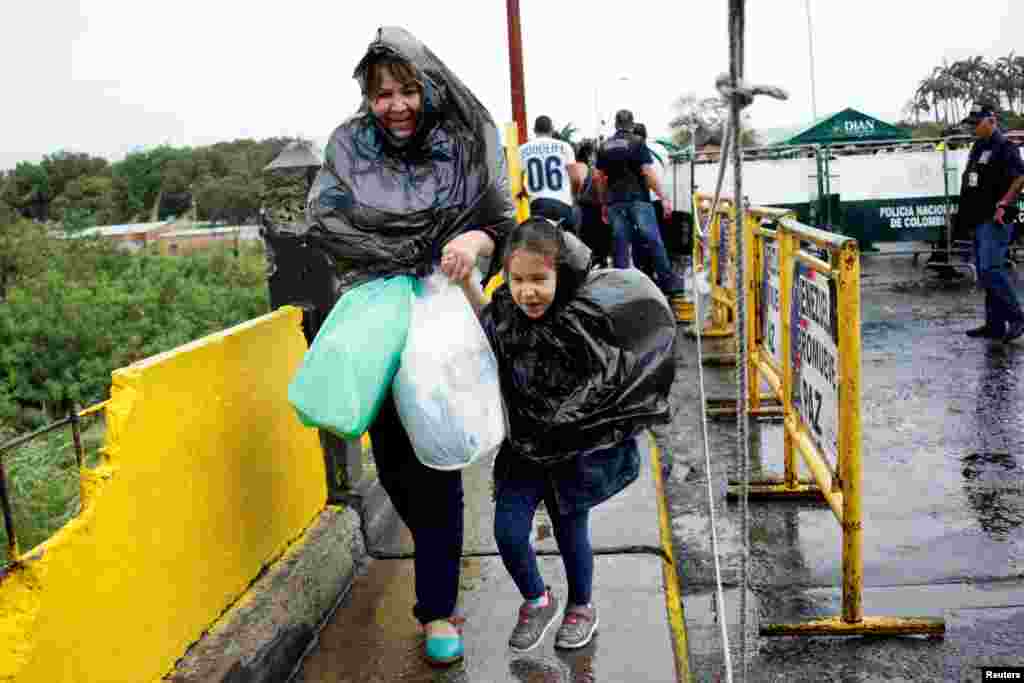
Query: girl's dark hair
(536, 235)
(542, 236)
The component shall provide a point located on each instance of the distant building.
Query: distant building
(170, 238)
(129, 236)
(187, 241)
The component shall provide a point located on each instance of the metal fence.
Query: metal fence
(74, 421)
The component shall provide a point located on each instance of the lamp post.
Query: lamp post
(810, 50)
(600, 121)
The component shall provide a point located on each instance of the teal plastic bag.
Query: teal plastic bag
(348, 369)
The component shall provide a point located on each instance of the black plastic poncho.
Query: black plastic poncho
(381, 206)
(593, 371)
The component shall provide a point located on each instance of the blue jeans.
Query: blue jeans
(430, 502)
(991, 245)
(513, 518)
(557, 211)
(638, 216)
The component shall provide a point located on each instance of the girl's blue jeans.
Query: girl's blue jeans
(513, 518)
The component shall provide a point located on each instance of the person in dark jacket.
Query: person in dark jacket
(550, 355)
(415, 180)
(988, 194)
(626, 162)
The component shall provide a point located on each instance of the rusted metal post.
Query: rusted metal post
(76, 433)
(5, 503)
(515, 59)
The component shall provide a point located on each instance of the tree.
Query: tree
(23, 248)
(63, 167)
(566, 133)
(950, 90)
(28, 190)
(235, 199)
(705, 119)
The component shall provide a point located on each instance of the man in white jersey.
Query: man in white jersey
(549, 175)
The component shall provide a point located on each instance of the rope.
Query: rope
(719, 595)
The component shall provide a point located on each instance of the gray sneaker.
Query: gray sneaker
(578, 626)
(533, 624)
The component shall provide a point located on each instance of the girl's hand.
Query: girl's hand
(458, 257)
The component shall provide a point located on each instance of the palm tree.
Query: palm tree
(1005, 75)
(567, 132)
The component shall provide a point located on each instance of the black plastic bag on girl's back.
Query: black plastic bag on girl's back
(595, 370)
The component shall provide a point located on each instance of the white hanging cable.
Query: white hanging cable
(719, 595)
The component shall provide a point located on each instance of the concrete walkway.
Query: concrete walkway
(373, 637)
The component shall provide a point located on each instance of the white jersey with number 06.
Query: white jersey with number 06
(545, 163)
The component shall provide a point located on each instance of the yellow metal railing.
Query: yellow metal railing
(803, 334)
(714, 253)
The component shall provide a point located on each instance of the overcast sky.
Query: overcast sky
(109, 76)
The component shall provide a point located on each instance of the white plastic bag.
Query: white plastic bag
(699, 290)
(447, 391)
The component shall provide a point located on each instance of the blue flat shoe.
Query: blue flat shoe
(444, 649)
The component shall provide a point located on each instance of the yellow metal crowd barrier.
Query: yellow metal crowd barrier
(714, 253)
(803, 334)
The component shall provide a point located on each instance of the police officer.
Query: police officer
(988, 192)
(628, 168)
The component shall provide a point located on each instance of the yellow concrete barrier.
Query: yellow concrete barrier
(208, 478)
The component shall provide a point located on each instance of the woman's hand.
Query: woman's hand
(458, 257)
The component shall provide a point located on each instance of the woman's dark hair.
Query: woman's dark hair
(584, 151)
(401, 70)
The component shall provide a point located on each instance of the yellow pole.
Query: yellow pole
(849, 431)
(787, 249)
(750, 263)
(515, 172)
(714, 237)
(522, 205)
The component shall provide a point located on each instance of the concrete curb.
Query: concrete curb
(262, 637)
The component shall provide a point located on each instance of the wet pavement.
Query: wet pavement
(943, 499)
(373, 636)
(943, 503)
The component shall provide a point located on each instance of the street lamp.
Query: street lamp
(601, 122)
(810, 50)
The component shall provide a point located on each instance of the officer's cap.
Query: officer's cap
(979, 112)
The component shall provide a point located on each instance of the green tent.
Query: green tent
(848, 125)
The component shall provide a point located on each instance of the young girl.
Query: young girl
(544, 362)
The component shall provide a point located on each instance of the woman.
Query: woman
(594, 232)
(415, 179)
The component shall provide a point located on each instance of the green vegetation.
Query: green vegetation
(221, 182)
(948, 92)
(74, 310)
(43, 482)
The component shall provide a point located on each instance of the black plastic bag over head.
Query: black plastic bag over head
(382, 206)
(593, 371)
